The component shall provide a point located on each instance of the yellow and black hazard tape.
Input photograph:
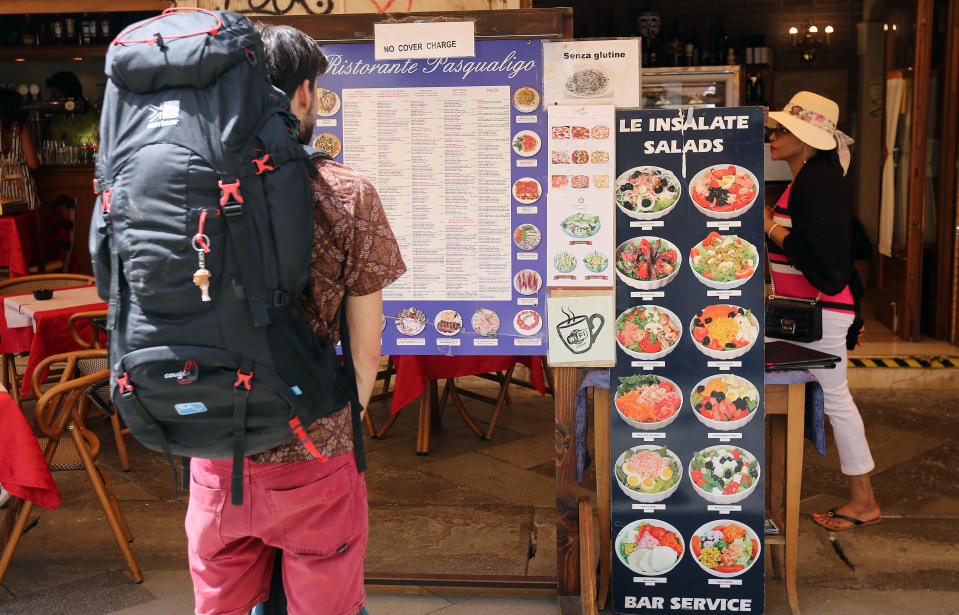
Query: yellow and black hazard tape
(927, 362)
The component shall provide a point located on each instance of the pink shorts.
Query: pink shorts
(315, 511)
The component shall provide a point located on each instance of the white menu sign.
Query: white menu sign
(592, 72)
(580, 217)
(440, 160)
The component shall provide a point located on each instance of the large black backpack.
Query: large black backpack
(199, 168)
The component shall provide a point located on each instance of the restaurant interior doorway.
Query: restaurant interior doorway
(917, 261)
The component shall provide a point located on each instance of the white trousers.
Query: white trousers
(847, 427)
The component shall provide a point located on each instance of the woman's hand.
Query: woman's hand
(768, 218)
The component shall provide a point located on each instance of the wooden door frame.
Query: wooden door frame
(906, 325)
(909, 324)
(947, 274)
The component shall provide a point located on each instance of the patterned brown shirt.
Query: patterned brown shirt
(354, 253)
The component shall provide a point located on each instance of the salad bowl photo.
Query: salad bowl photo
(647, 263)
(648, 473)
(648, 332)
(725, 548)
(648, 402)
(650, 546)
(724, 402)
(724, 191)
(724, 474)
(723, 261)
(724, 331)
(647, 192)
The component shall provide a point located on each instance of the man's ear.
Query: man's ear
(301, 95)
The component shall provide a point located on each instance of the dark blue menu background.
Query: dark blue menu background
(686, 365)
(520, 63)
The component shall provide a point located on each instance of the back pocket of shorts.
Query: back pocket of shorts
(320, 516)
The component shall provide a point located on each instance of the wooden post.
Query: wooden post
(601, 410)
(567, 506)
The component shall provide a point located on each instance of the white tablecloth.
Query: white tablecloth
(19, 310)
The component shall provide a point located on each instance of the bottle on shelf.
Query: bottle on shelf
(676, 49)
(70, 30)
(28, 31)
(104, 29)
(760, 90)
(655, 55)
(721, 44)
(56, 29)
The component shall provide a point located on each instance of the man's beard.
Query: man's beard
(306, 130)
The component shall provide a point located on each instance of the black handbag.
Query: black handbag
(793, 319)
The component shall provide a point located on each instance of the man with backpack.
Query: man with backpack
(314, 510)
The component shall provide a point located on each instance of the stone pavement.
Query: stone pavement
(479, 507)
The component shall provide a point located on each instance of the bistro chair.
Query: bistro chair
(9, 376)
(83, 363)
(97, 319)
(59, 413)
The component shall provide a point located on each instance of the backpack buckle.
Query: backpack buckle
(261, 164)
(243, 379)
(230, 194)
(126, 389)
(281, 298)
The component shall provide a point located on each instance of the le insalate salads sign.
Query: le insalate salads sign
(687, 438)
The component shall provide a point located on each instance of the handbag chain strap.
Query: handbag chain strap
(772, 283)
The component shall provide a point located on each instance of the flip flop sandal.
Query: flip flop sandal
(832, 514)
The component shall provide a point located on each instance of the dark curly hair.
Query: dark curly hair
(291, 57)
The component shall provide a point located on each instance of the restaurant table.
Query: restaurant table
(40, 327)
(23, 470)
(789, 418)
(18, 242)
(416, 373)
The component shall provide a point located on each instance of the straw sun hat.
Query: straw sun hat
(812, 119)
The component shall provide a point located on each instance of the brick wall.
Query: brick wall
(741, 18)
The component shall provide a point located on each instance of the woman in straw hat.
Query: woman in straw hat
(810, 255)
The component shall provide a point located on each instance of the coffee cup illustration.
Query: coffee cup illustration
(579, 332)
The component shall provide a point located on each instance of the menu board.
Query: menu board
(580, 220)
(687, 433)
(454, 147)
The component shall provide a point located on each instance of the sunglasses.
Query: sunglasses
(780, 131)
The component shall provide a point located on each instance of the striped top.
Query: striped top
(16, 184)
(790, 281)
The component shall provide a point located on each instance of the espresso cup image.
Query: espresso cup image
(578, 333)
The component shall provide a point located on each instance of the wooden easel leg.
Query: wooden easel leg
(587, 563)
(567, 506)
(794, 454)
(601, 412)
(775, 483)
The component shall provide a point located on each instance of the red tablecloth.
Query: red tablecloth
(51, 337)
(412, 372)
(23, 470)
(18, 242)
